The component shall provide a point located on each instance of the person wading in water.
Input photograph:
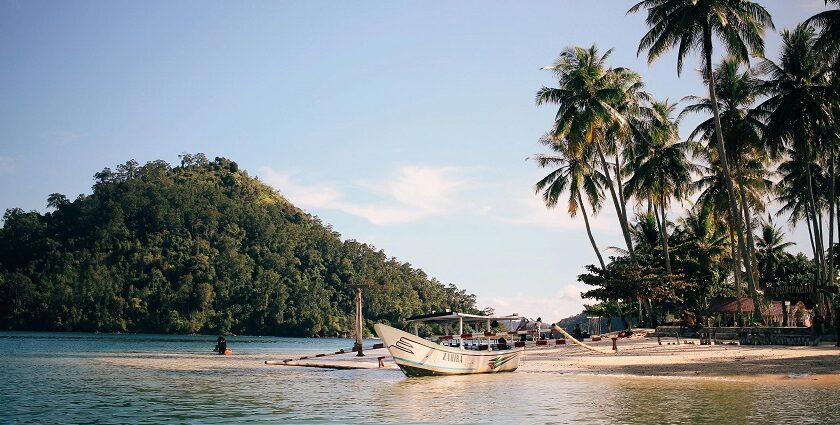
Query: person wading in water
(221, 344)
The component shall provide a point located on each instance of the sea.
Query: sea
(81, 378)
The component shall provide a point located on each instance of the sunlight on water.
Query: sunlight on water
(81, 378)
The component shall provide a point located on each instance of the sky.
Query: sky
(403, 124)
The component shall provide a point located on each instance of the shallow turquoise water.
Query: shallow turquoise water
(97, 378)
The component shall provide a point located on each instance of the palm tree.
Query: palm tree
(690, 25)
(713, 196)
(828, 41)
(771, 247)
(742, 130)
(587, 96)
(573, 174)
(792, 193)
(798, 115)
(620, 138)
(701, 242)
(661, 168)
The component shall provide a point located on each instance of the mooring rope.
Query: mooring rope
(586, 346)
(342, 351)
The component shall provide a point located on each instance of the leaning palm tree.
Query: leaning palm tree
(690, 25)
(798, 115)
(587, 96)
(621, 137)
(571, 173)
(661, 168)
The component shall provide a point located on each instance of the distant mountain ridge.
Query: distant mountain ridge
(197, 248)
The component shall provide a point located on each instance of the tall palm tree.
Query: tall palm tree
(571, 173)
(713, 196)
(792, 193)
(620, 138)
(690, 25)
(798, 114)
(661, 168)
(742, 130)
(587, 96)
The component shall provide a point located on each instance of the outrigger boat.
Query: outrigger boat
(459, 354)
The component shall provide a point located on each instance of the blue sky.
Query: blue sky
(402, 124)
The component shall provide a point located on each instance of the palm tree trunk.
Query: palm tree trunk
(724, 163)
(810, 231)
(639, 299)
(821, 243)
(621, 314)
(589, 232)
(830, 262)
(650, 312)
(663, 230)
(837, 214)
(752, 262)
(817, 234)
(817, 298)
(621, 198)
(831, 269)
(625, 228)
(736, 268)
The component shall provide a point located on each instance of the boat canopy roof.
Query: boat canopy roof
(446, 316)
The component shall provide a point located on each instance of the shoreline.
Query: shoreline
(640, 356)
(637, 357)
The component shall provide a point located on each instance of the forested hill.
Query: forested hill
(197, 248)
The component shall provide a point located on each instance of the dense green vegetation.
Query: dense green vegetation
(769, 133)
(200, 247)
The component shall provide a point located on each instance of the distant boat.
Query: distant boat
(464, 354)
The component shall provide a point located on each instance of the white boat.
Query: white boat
(465, 354)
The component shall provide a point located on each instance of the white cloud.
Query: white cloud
(414, 193)
(304, 196)
(550, 306)
(525, 208)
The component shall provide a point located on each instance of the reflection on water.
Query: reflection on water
(83, 379)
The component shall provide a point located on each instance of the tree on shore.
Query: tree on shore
(742, 129)
(691, 25)
(571, 173)
(589, 96)
(661, 168)
(799, 117)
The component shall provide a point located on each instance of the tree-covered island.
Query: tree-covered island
(201, 247)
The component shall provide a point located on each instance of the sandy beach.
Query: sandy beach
(643, 356)
(636, 356)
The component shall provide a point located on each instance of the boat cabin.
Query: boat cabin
(490, 339)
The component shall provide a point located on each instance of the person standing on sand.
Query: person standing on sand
(577, 333)
(538, 326)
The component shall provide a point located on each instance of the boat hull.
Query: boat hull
(419, 357)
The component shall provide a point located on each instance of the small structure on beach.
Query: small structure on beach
(727, 307)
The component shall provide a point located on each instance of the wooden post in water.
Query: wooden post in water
(358, 345)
